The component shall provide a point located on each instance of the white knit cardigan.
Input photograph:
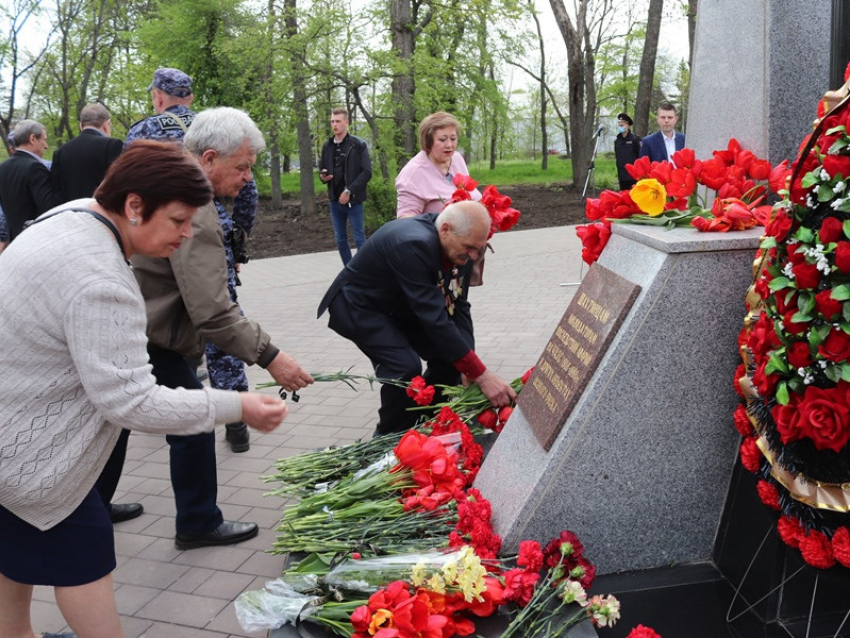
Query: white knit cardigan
(74, 368)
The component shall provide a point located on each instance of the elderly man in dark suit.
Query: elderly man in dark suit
(402, 298)
(25, 189)
(661, 145)
(79, 166)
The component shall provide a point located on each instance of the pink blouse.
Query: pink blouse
(424, 188)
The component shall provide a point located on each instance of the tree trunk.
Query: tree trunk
(271, 112)
(580, 66)
(380, 150)
(647, 67)
(692, 31)
(302, 116)
(494, 122)
(544, 140)
(402, 32)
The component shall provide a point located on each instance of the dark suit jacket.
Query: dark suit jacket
(25, 190)
(393, 281)
(79, 165)
(654, 148)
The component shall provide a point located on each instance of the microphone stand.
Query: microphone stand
(591, 167)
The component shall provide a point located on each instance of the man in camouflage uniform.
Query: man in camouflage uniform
(171, 95)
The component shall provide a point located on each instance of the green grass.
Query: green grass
(506, 173)
(527, 171)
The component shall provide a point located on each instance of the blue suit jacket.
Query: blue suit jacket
(654, 148)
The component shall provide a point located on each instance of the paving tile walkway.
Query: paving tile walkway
(166, 593)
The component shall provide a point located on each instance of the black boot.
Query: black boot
(238, 437)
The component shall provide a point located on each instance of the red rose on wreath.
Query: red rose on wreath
(837, 165)
(842, 256)
(836, 346)
(816, 550)
(841, 546)
(826, 305)
(779, 227)
(821, 416)
(793, 327)
(831, 230)
(799, 354)
(806, 275)
(763, 381)
(750, 455)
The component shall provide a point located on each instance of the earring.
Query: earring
(133, 221)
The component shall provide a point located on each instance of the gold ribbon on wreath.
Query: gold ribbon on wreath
(825, 496)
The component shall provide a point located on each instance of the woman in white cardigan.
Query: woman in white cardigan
(74, 370)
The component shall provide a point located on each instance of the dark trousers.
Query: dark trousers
(626, 184)
(192, 458)
(403, 362)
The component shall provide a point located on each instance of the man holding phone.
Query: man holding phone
(346, 168)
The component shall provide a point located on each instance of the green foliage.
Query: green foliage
(528, 171)
(380, 206)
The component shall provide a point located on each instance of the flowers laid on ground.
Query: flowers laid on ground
(396, 542)
(667, 194)
(795, 379)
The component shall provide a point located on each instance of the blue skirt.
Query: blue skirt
(77, 551)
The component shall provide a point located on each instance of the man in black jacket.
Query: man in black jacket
(346, 168)
(626, 150)
(25, 189)
(79, 165)
(402, 298)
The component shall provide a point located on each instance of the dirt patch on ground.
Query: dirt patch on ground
(285, 231)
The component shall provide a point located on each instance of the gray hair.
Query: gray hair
(462, 215)
(223, 130)
(93, 115)
(26, 128)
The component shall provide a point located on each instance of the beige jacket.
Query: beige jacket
(187, 299)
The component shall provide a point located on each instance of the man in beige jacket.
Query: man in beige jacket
(188, 304)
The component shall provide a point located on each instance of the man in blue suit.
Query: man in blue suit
(661, 145)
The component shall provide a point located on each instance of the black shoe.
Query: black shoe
(58, 635)
(238, 437)
(118, 513)
(228, 533)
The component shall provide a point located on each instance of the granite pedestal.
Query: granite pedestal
(759, 69)
(641, 467)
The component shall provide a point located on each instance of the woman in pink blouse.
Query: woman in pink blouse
(424, 185)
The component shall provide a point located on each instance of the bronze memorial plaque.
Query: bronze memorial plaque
(573, 353)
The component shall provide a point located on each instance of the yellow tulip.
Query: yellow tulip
(650, 196)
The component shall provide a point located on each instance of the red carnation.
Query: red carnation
(841, 546)
(769, 495)
(742, 421)
(750, 455)
(816, 550)
(740, 372)
(831, 230)
(519, 586)
(826, 305)
(790, 531)
(530, 556)
(643, 632)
